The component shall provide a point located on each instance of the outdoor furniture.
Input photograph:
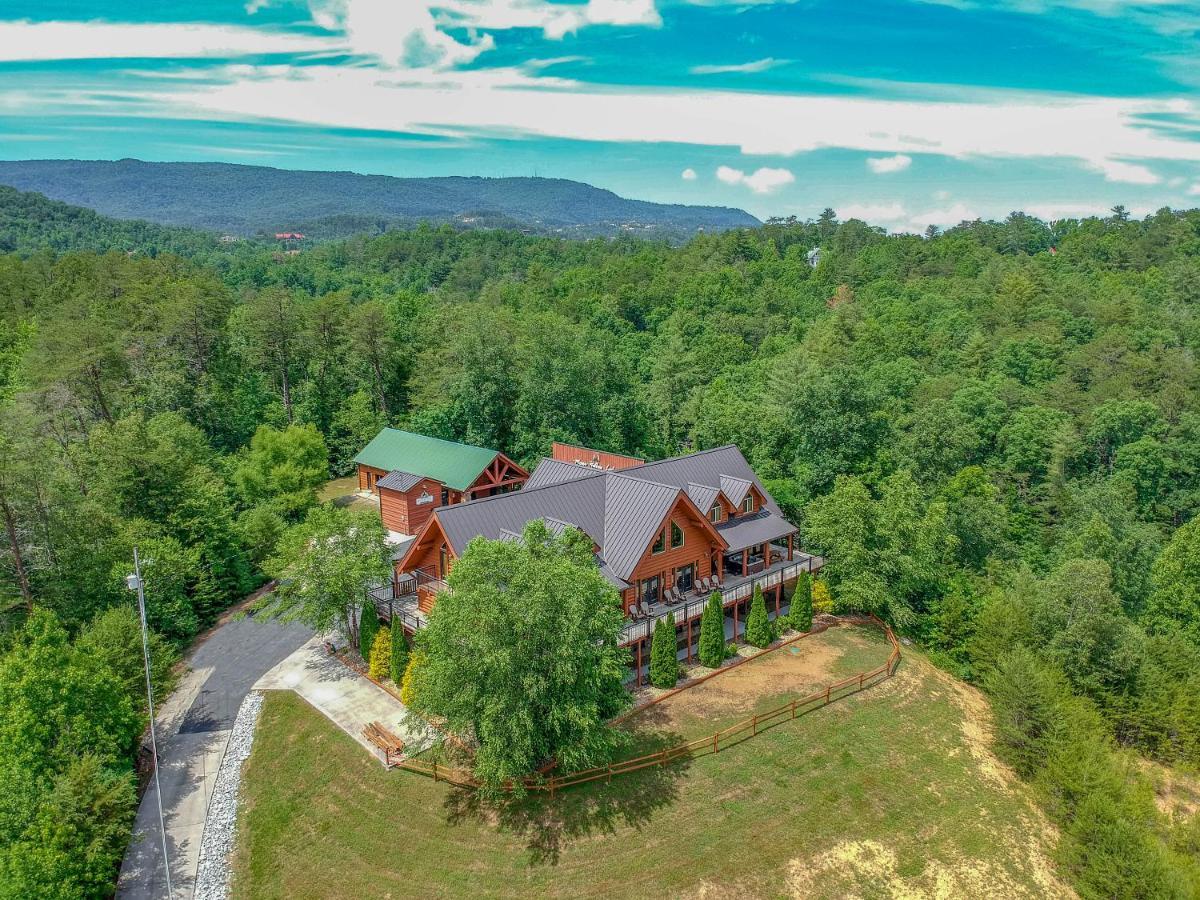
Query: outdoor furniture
(385, 740)
(703, 585)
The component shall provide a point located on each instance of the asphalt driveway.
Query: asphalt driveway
(193, 731)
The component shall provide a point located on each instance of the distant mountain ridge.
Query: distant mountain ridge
(244, 200)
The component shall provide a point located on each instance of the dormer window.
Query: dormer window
(748, 504)
(660, 544)
(715, 513)
(676, 536)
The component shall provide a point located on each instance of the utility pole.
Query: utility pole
(134, 583)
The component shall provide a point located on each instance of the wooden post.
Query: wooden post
(754, 724)
(791, 543)
(793, 707)
(745, 562)
(716, 734)
(826, 695)
(435, 775)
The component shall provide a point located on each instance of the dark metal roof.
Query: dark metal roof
(399, 481)
(555, 471)
(702, 495)
(735, 488)
(619, 510)
(746, 531)
(633, 510)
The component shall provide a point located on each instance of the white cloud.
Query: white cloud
(556, 20)
(1123, 172)
(24, 41)
(688, 174)
(759, 65)
(761, 181)
(1194, 190)
(885, 165)
(1097, 131)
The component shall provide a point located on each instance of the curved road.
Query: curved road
(193, 730)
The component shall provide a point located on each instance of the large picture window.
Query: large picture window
(650, 590)
(676, 535)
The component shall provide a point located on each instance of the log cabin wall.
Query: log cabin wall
(367, 476)
(698, 549)
(403, 511)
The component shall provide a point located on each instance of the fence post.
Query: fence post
(754, 724)
(793, 707)
(827, 694)
(860, 679)
(716, 749)
(435, 775)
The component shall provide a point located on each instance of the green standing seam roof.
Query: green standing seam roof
(454, 465)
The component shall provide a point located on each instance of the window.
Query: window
(715, 512)
(685, 578)
(748, 504)
(660, 543)
(676, 535)
(648, 590)
(445, 497)
(442, 562)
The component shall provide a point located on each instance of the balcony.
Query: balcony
(735, 588)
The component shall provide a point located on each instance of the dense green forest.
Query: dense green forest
(993, 433)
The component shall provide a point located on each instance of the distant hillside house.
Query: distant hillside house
(413, 474)
(666, 535)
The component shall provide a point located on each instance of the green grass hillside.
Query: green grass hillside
(890, 792)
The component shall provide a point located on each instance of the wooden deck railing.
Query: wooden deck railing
(713, 743)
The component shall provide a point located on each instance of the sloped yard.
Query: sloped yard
(891, 792)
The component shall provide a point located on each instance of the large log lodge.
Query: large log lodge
(666, 533)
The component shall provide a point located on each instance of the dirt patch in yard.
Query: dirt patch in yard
(799, 669)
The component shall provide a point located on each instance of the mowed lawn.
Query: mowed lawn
(891, 792)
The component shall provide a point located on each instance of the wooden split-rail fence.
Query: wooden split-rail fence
(713, 743)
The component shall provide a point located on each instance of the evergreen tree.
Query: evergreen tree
(758, 626)
(801, 613)
(368, 627)
(712, 632)
(380, 662)
(664, 659)
(399, 657)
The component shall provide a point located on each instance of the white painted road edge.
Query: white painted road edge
(216, 846)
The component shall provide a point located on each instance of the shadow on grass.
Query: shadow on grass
(549, 824)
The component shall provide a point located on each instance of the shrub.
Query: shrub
(801, 613)
(406, 683)
(398, 661)
(368, 627)
(712, 632)
(381, 654)
(822, 600)
(758, 626)
(664, 659)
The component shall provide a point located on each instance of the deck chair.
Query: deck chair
(703, 585)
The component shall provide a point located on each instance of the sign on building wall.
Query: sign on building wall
(424, 499)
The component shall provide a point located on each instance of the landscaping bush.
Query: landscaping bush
(758, 626)
(664, 661)
(712, 632)
(822, 599)
(368, 627)
(381, 654)
(406, 683)
(398, 661)
(801, 613)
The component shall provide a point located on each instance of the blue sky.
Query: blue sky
(903, 112)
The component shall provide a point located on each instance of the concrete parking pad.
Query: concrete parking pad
(346, 698)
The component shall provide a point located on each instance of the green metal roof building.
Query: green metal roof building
(457, 466)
